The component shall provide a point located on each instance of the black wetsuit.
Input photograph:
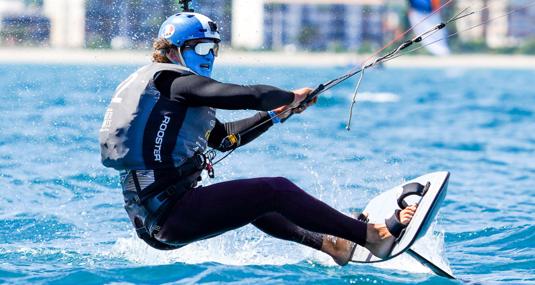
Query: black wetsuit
(194, 90)
(273, 204)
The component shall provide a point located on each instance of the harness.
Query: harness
(149, 197)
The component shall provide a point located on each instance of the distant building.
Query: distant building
(125, 24)
(22, 25)
(248, 24)
(522, 22)
(493, 26)
(221, 12)
(313, 25)
(24, 29)
(10, 7)
(469, 31)
(135, 24)
(476, 28)
(101, 22)
(67, 18)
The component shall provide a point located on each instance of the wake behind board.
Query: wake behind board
(384, 205)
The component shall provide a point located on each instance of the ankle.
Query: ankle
(339, 249)
(329, 244)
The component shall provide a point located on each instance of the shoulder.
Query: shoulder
(163, 80)
(166, 76)
(165, 73)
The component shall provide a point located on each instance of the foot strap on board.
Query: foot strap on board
(393, 224)
(411, 189)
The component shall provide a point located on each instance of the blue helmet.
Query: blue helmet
(186, 26)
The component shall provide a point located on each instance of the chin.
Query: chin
(204, 72)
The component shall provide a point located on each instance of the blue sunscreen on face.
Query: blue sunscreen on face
(201, 64)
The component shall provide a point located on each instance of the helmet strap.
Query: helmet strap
(175, 56)
(180, 57)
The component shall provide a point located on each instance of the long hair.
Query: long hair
(161, 46)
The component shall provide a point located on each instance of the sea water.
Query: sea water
(62, 219)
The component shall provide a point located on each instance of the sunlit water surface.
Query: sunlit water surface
(61, 214)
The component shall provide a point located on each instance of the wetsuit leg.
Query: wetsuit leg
(278, 226)
(212, 210)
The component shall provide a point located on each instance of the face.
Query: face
(199, 55)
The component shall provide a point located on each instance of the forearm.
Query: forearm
(248, 129)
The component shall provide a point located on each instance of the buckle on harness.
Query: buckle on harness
(204, 161)
(209, 156)
(210, 169)
(199, 161)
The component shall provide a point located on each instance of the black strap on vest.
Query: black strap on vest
(194, 164)
(181, 180)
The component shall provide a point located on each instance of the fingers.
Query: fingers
(300, 109)
(312, 102)
(406, 214)
(300, 95)
(405, 218)
(411, 208)
(305, 90)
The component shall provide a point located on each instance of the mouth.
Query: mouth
(205, 66)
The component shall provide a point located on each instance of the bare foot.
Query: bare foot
(379, 241)
(339, 249)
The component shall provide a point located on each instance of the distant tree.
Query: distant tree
(475, 46)
(366, 47)
(528, 47)
(307, 36)
(96, 41)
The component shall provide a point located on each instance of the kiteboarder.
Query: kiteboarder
(156, 132)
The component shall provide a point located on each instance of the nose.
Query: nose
(210, 56)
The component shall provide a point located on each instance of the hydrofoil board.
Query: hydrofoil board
(434, 187)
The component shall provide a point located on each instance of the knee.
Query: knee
(281, 184)
(282, 181)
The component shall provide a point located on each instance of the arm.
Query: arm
(221, 130)
(195, 90)
(183, 89)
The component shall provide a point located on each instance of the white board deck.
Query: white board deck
(384, 205)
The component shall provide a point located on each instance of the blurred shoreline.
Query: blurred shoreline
(25, 55)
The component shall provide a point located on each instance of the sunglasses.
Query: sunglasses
(204, 48)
